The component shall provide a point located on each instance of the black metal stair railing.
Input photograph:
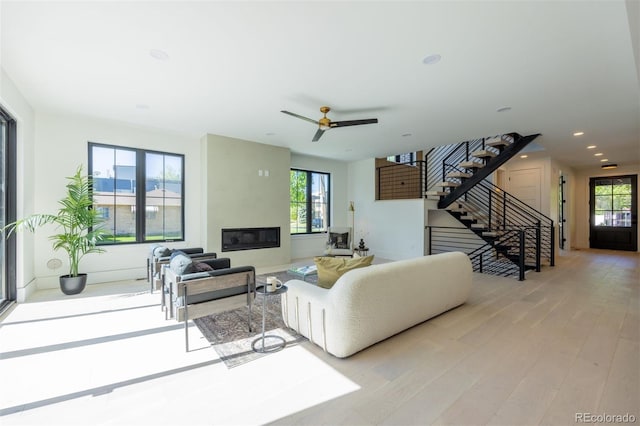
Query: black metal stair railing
(489, 166)
(485, 257)
(502, 212)
(450, 154)
(502, 234)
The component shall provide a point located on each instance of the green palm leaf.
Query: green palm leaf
(78, 224)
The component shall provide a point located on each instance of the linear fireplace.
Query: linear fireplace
(234, 239)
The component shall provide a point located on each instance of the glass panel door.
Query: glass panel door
(614, 211)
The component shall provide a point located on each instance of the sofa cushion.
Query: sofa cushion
(332, 268)
(340, 241)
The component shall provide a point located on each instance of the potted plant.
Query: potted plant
(79, 227)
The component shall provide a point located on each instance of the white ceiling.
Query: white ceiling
(232, 67)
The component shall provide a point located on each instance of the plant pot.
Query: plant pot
(73, 285)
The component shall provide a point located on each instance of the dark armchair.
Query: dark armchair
(160, 255)
(197, 294)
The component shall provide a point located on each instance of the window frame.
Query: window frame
(611, 212)
(309, 201)
(398, 158)
(141, 193)
(8, 295)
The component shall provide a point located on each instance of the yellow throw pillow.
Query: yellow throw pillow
(332, 268)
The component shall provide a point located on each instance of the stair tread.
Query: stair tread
(458, 175)
(497, 143)
(448, 184)
(484, 153)
(471, 165)
(438, 193)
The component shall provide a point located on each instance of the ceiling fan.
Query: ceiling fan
(325, 123)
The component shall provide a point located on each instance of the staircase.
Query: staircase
(501, 234)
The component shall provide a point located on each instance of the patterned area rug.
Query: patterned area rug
(229, 335)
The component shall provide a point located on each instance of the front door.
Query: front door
(614, 213)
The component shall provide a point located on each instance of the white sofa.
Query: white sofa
(370, 304)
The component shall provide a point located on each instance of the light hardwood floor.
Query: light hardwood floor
(562, 342)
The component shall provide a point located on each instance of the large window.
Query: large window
(409, 157)
(309, 208)
(139, 193)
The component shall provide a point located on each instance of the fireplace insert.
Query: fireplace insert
(234, 239)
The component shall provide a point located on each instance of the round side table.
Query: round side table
(258, 345)
(362, 251)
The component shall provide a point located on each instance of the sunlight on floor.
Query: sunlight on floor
(284, 383)
(109, 353)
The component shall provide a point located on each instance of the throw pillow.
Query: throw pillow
(200, 267)
(161, 251)
(340, 241)
(180, 263)
(332, 268)
(152, 249)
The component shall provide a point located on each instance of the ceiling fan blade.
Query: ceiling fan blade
(317, 136)
(301, 117)
(353, 122)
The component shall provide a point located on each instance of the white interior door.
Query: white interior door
(525, 184)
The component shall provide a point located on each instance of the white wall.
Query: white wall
(392, 229)
(62, 145)
(238, 197)
(15, 104)
(441, 218)
(310, 245)
(582, 176)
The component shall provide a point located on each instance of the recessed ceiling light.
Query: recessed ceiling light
(578, 134)
(524, 156)
(431, 59)
(591, 146)
(404, 135)
(609, 166)
(604, 160)
(598, 154)
(504, 109)
(158, 54)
